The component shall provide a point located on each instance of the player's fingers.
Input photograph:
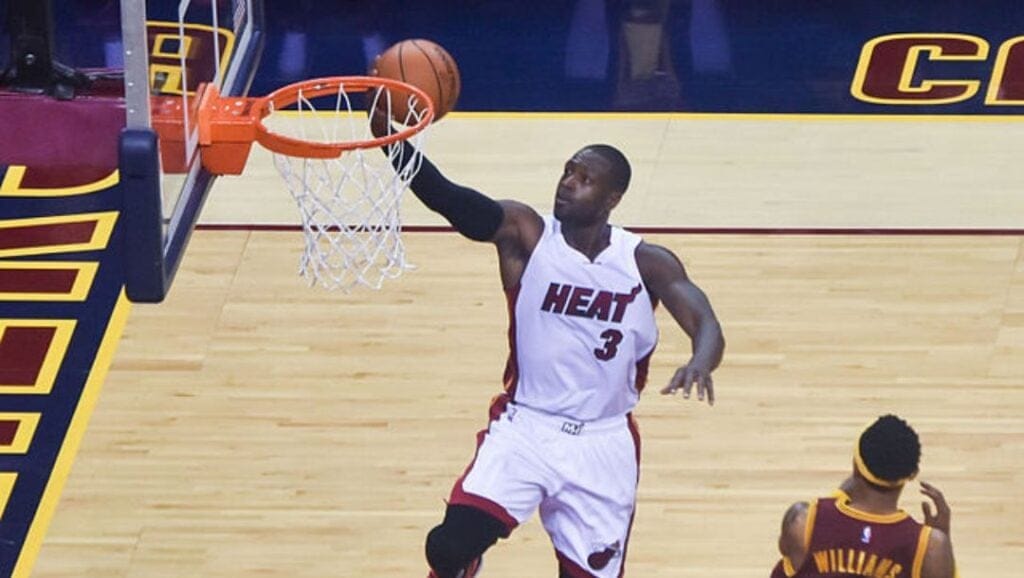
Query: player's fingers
(936, 495)
(675, 383)
(709, 386)
(927, 509)
(933, 492)
(689, 377)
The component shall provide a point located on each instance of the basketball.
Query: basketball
(425, 65)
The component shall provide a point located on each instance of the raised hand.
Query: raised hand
(940, 518)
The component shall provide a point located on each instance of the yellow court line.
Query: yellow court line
(738, 116)
(11, 185)
(697, 116)
(7, 481)
(72, 439)
(12, 179)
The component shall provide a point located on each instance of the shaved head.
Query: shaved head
(620, 169)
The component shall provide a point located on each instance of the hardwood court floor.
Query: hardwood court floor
(693, 170)
(253, 427)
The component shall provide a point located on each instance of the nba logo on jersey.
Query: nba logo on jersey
(865, 535)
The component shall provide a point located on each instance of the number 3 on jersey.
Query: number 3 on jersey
(612, 338)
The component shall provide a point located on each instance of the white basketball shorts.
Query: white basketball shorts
(581, 476)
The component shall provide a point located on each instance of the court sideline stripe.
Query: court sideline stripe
(643, 230)
(72, 439)
(715, 116)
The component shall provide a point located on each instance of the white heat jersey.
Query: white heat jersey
(581, 332)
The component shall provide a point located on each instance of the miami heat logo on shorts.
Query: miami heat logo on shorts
(598, 560)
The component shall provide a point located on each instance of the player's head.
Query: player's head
(888, 453)
(591, 185)
(621, 171)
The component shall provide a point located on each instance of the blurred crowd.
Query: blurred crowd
(583, 55)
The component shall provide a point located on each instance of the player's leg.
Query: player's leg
(500, 489)
(455, 546)
(590, 518)
(583, 548)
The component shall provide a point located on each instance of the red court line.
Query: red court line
(62, 233)
(44, 281)
(23, 353)
(811, 231)
(8, 431)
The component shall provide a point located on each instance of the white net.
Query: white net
(350, 205)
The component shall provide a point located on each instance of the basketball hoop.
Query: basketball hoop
(348, 192)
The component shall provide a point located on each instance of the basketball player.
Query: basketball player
(581, 297)
(860, 531)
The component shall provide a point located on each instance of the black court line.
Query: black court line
(807, 231)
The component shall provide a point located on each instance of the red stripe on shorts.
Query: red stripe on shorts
(570, 568)
(634, 430)
(461, 497)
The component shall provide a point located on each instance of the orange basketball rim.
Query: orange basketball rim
(227, 126)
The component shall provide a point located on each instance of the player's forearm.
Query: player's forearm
(708, 343)
(473, 214)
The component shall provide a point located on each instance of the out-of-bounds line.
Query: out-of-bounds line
(1005, 117)
(644, 230)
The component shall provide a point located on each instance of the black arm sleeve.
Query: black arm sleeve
(471, 213)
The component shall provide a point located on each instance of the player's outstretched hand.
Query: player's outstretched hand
(380, 121)
(376, 108)
(940, 519)
(688, 375)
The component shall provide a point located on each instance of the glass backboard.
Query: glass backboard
(185, 45)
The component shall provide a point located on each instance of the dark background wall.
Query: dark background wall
(587, 55)
(567, 55)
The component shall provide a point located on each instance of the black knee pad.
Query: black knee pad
(465, 534)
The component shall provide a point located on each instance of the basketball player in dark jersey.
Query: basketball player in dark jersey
(860, 531)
